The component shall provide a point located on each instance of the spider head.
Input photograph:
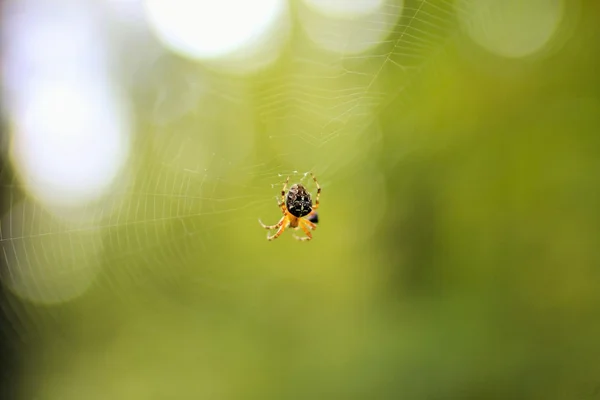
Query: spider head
(298, 201)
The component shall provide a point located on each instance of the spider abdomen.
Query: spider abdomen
(298, 201)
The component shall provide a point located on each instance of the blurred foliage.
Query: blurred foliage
(456, 257)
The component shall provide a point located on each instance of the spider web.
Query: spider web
(210, 156)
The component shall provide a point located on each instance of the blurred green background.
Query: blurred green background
(455, 256)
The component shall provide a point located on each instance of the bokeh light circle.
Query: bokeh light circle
(345, 8)
(511, 28)
(211, 29)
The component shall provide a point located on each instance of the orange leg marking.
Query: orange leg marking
(280, 231)
(306, 231)
(311, 225)
(316, 206)
(277, 225)
(283, 191)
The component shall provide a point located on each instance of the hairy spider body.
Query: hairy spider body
(298, 201)
(293, 222)
(298, 210)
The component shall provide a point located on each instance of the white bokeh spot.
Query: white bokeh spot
(208, 30)
(511, 28)
(353, 31)
(70, 127)
(345, 8)
(69, 143)
(50, 268)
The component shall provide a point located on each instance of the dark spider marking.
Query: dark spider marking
(298, 201)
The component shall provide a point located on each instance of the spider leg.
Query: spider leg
(283, 191)
(282, 206)
(316, 206)
(310, 224)
(306, 231)
(279, 231)
(277, 225)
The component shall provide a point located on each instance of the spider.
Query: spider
(298, 210)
